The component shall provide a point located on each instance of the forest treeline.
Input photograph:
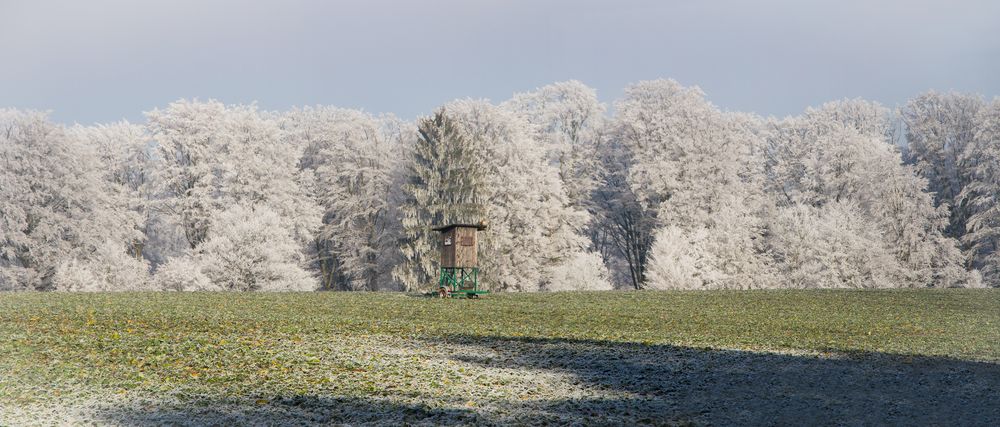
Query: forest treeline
(666, 192)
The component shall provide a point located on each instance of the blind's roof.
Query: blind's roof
(444, 228)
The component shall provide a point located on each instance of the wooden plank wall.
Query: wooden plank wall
(463, 248)
(448, 250)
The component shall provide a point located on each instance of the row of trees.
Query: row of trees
(669, 192)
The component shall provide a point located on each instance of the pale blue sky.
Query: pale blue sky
(98, 60)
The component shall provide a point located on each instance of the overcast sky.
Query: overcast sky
(98, 61)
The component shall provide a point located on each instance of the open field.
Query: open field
(853, 357)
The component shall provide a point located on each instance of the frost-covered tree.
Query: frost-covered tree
(248, 248)
(251, 248)
(534, 227)
(821, 159)
(125, 155)
(475, 162)
(700, 169)
(109, 268)
(865, 117)
(445, 184)
(585, 271)
(213, 157)
(686, 152)
(622, 229)
(62, 224)
(733, 207)
(940, 128)
(982, 195)
(354, 159)
(727, 251)
(567, 119)
(834, 246)
(189, 139)
(669, 193)
(183, 274)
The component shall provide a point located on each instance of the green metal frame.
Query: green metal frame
(461, 282)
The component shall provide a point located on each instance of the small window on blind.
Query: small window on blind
(447, 241)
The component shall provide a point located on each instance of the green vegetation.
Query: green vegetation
(58, 347)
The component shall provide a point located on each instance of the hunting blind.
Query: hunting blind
(459, 260)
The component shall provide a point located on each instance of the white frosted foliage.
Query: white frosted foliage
(585, 271)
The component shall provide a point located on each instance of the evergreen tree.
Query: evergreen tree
(444, 185)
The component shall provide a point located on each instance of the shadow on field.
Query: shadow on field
(298, 410)
(648, 384)
(669, 383)
(313, 410)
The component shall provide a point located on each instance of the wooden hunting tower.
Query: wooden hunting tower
(459, 260)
